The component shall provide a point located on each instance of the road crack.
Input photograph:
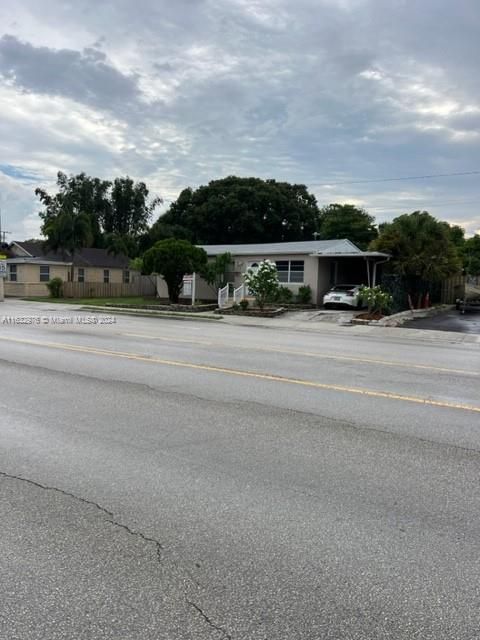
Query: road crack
(208, 620)
(110, 514)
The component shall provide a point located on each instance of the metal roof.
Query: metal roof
(87, 257)
(308, 247)
(42, 261)
(354, 254)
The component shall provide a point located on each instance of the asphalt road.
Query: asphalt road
(165, 479)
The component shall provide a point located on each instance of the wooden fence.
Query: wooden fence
(452, 289)
(141, 286)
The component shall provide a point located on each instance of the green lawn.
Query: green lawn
(98, 301)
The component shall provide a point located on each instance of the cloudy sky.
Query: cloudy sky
(336, 94)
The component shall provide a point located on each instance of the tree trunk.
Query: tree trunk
(173, 291)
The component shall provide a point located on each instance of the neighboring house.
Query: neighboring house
(317, 263)
(30, 267)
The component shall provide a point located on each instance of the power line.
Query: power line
(432, 175)
(423, 206)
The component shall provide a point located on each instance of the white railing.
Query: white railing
(223, 296)
(239, 293)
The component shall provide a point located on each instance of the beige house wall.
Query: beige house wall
(31, 272)
(28, 278)
(203, 291)
(241, 264)
(95, 274)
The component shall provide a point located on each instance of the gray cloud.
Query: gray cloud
(178, 93)
(84, 76)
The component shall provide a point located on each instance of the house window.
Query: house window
(291, 271)
(12, 272)
(106, 276)
(126, 276)
(81, 274)
(44, 273)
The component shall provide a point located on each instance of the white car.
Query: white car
(343, 295)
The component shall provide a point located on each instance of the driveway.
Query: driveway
(450, 321)
(331, 316)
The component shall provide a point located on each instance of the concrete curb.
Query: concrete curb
(398, 319)
(145, 313)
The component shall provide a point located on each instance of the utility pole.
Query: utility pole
(3, 234)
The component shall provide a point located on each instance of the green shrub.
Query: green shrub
(243, 304)
(55, 287)
(304, 295)
(284, 295)
(376, 299)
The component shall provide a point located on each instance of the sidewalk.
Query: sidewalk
(304, 321)
(307, 322)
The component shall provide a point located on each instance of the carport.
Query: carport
(359, 267)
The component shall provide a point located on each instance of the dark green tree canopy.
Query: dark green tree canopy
(470, 253)
(78, 194)
(129, 210)
(115, 210)
(347, 221)
(172, 259)
(235, 210)
(421, 247)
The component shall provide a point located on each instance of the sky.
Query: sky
(340, 95)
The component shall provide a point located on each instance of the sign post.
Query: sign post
(188, 290)
(3, 275)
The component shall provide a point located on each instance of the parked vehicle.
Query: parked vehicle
(343, 295)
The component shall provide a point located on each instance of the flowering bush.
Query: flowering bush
(376, 299)
(262, 282)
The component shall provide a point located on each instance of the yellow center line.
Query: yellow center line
(247, 374)
(311, 354)
(168, 339)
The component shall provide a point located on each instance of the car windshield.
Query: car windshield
(344, 287)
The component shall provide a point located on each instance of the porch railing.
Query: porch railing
(223, 297)
(239, 293)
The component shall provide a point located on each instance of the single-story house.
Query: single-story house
(317, 263)
(30, 266)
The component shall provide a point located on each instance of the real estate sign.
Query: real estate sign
(3, 266)
(188, 289)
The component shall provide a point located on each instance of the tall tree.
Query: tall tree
(78, 193)
(421, 248)
(130, 210)
(172, 259)
(118, 212)
(471, 255)
(67, 231)
(347, 221)
(235, 210)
